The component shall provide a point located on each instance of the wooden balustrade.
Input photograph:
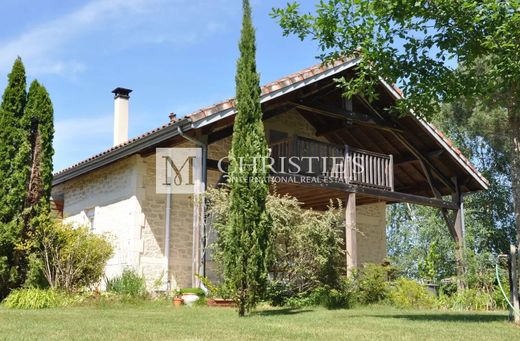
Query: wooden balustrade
(342, 163)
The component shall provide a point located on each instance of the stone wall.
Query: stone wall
(181, 233)
(125, 204)
(371, 238)
(106, 201)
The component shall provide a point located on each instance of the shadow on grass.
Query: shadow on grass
(283, 311)
(449, 317)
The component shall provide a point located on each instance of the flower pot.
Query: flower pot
(220, 302)
(177, 301)
(190, 299)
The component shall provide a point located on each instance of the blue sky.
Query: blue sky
(177, 55)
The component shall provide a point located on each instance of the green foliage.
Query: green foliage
(428, 268)
(74, 257)
(129, 284)
(196, 291)
(246, 244)
(26, 134)
(412, 42)
(13, 173)
(468, 299)
(33, 298)
(373, 282)
(406, 293)
(307, 250)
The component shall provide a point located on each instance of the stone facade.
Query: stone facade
(121, 200)
(371, 238)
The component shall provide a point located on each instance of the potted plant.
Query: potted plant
(191, 295)
(218, 296)
(177, 300)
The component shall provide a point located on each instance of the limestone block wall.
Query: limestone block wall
(294, 124)
(181, 234)
(106, 201)
(371, 239)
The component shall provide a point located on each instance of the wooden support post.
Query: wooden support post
(351, 233)
(514, 284)
(459, 247)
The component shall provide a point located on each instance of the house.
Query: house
(397, 159)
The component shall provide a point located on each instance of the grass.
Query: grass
(160, 321)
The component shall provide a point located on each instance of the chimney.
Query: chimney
(121, 97)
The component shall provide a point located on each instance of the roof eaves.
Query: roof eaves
(123, 150)
(443, 141)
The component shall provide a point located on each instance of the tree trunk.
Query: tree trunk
(515, 188)
(515, 171)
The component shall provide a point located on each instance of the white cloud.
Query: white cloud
(148, 21)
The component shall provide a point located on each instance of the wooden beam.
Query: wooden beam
(402, 160)
(369, 192)
(352, 117)
(351, 249)
(425, 163)
(267, 113)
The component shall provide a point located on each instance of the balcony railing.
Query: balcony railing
(342, 163)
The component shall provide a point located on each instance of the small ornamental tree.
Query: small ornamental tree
(247, 237)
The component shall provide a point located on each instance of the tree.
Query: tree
(38, 122)
(247, 238)
(489, 218)
(415, 43)
(13, 172)
(26, 132)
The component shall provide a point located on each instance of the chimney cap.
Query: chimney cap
(121, 92)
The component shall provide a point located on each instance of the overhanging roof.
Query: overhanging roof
(219, 111)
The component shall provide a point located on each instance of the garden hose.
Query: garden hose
(502, 289)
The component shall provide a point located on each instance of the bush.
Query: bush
(307, 251)
(373, 283)
(278, 293)
(33, 298)
(468, 299)
(331, 298)
(129, 284)
(73, 257)
(197, 291)
(406, 293)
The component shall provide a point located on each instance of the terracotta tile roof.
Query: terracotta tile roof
(448, 142)
(221, 106)
(266, 90)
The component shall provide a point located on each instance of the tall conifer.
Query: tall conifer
(13, 174)
(247, 240)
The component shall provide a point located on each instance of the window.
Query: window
(91, 215)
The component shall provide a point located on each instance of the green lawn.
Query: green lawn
(161, 321)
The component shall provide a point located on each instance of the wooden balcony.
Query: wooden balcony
(330, 162)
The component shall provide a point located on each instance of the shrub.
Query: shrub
(33, 298)
(196, 291)
(129, 284)
(73, 257)
(468, 299)
(406, 293)
(278, 293)
(373, 283)
(307, 245)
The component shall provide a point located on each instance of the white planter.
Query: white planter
(190, 299)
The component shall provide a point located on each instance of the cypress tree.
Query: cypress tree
(13, 172)
(38, 120)
(247, 241)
